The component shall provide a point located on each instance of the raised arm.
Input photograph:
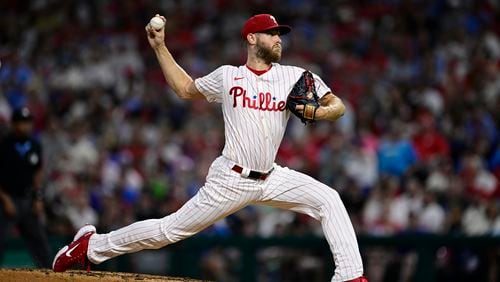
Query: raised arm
(176, 77)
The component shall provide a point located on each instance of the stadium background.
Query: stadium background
(417, 154)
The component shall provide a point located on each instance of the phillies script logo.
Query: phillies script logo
(262, 102)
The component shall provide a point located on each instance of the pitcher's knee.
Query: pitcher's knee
(331, 200)
(332, 196)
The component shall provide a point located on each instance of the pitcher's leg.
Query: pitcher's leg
(206, 207)
(298, 192)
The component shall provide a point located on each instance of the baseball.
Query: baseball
(156, 22)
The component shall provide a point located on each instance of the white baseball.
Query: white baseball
(157, 23)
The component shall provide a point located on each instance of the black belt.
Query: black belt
(253, 174)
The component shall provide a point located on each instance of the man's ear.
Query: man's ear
(252, 38)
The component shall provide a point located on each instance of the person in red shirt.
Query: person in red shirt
(429, 142)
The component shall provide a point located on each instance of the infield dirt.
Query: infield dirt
(39, 275)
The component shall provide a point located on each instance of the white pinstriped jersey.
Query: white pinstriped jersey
(255, 118)
(254, 110)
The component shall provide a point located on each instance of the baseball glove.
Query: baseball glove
(304, 93)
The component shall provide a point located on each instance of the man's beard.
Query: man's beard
(269, 55)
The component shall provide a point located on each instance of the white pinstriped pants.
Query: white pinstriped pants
(226, 192)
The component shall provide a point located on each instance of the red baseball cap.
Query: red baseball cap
(263, 22)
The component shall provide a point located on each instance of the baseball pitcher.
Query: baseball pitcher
(256, 99)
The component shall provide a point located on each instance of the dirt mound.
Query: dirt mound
(39, 275)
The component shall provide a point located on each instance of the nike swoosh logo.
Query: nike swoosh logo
(68, 254)
(238, 78)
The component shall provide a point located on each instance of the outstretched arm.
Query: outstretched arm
(176, 77)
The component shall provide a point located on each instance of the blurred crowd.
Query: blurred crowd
(418, 150)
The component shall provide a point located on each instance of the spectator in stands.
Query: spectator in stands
(396, 155)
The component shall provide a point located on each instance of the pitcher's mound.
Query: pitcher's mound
(39, 275)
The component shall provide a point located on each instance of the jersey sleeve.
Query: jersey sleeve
(321, 87)
(211, 85)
